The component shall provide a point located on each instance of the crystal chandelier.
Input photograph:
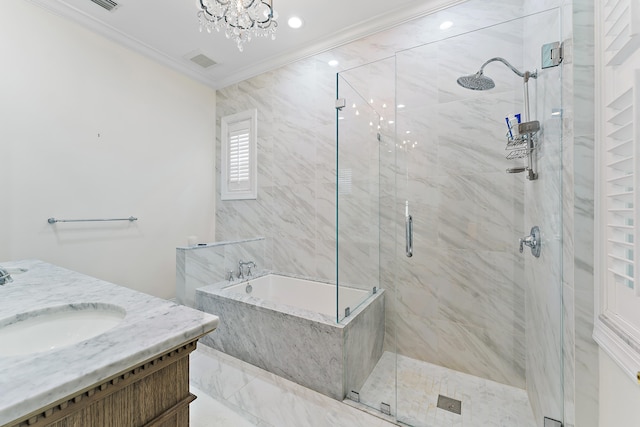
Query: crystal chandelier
(240, 19)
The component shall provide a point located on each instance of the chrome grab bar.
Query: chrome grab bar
(53, 220)
(408, 225)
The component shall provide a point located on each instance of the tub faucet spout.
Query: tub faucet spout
(5, 277)
(242, 265)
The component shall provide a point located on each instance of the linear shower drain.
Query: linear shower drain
(449, 404)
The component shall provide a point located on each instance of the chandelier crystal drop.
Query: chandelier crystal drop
(240, 19)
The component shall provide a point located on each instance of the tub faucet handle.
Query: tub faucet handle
(229, 276)
(5, 277)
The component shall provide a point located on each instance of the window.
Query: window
(239, 171)
(617, 323)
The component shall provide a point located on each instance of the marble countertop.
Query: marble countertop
(151, 326)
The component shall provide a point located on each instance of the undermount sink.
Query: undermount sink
(55, 327)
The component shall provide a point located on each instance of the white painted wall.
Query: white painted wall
(89, 129)
(619, 396)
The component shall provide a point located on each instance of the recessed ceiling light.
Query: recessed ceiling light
(333, 63)
(446, 25)
(295, 22)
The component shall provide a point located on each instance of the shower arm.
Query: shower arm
(526, 75)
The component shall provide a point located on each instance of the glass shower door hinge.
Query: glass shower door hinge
(340, 103)
(385, 408)
(552, 54)
(548, 422)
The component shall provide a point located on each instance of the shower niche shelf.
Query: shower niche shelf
(522, 139)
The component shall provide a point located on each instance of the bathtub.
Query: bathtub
(288, 326)
(308, 295)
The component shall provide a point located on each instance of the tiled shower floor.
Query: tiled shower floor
(484, 402)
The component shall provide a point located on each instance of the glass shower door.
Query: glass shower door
(473, 326)
(479, 323)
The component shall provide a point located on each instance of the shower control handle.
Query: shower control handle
(532, 241)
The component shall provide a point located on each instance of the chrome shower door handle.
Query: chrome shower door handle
(408, 224)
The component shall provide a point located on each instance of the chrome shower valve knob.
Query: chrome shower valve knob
(532, 241)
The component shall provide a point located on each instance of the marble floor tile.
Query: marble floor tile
(206, 411)
(231, 391)
(484, 402)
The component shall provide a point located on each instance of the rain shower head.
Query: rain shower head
(479, 81)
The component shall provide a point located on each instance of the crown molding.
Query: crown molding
(371, 26)
(64, 10)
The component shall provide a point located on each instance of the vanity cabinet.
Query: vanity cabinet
(154, 393)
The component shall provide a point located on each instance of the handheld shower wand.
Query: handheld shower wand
(479, 81)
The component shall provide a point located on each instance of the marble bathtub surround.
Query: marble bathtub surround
(151, 326)
(306, 347)
(207, 264)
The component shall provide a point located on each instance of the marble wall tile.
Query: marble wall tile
(203, 266)
(294, 255)
(197, 267)
(581, 407)
(471, 292)
(586, 361)
(180, 277)
(491, 353)
(568, 346)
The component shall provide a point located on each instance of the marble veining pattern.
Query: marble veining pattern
(249, 396)
(151, 326)
(484, 402)
(468, 213)
(303, 346)
(203, 265)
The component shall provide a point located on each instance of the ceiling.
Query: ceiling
(168, 31)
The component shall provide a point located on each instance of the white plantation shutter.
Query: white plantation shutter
(239, 152)
(239, 173)
(620, 190)
(617, 325)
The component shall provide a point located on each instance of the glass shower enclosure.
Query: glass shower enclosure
(427, 212)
